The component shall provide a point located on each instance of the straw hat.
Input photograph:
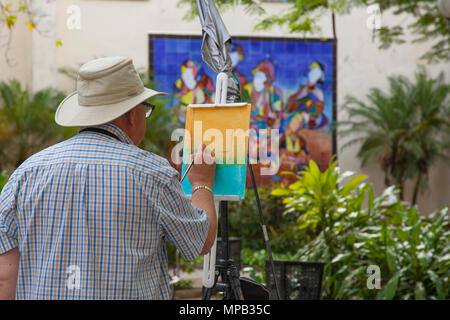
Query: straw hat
(107, 88)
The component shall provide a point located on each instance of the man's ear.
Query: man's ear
(130, 117)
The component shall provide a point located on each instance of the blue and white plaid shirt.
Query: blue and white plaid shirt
(90, 217)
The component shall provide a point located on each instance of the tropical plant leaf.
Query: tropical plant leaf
(419, 291)
(441, 295)
(389, 290)
(352, 184)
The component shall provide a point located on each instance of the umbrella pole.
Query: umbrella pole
(221, 88)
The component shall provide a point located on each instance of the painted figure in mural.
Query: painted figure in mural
(294, 150)
(194, 86)
(267, 106)
(308, 101)
(304, 111)
(266, 99)
(237, 55)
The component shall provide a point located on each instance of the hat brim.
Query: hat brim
(71, 114)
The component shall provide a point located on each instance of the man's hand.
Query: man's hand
(203, 170)
(9, 267)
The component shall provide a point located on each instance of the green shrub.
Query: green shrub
(3, 180)
(184, 284)
(244, 222)
(184, 265)
(354, 230)
(27, 122)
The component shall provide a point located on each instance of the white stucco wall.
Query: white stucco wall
(122, 27)
(43, 43)
(19, 53)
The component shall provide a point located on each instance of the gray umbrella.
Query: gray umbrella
(215, 46)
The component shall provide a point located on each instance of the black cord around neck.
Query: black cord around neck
(102, 131)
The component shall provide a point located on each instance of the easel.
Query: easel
(224, 266)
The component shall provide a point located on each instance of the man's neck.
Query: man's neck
(124, 129)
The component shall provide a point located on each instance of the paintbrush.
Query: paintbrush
(187, 170)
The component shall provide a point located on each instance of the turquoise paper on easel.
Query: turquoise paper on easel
(229, 180)
(230, 175)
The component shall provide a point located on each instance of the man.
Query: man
(88, 218)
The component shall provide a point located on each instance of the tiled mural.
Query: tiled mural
(289, 82)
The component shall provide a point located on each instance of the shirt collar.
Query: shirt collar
(114, 130)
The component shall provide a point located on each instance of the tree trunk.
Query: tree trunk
(22, 157)
(387, 178)
(401, 184)
(402, 194)
(333, 21)
(417, 188)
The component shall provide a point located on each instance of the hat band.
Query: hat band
(110, 98)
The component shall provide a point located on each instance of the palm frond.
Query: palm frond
(409, 126)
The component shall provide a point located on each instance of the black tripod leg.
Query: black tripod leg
(206, 295)
(235, 283)
(228, 272)
(261, 218)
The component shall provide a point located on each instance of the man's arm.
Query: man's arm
(203, 199)
(9, 253)
(202, 173)
(9, 267)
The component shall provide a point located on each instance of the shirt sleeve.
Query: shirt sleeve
(8, 226)
(184, 225)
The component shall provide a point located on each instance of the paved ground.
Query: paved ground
(195, 293)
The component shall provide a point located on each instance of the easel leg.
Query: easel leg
(209, 262)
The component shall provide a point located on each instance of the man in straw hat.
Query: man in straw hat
(88, 218)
